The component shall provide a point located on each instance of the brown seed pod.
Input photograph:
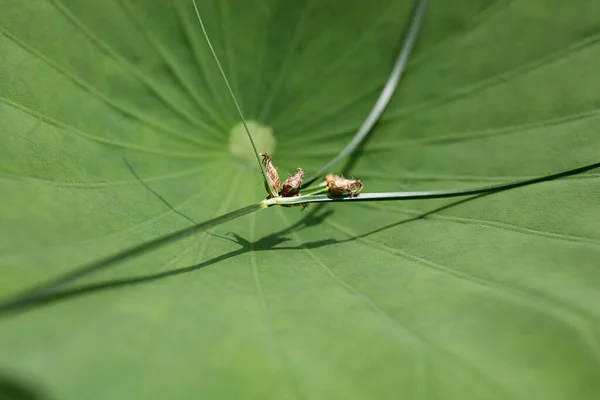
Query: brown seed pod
(271, 173)
(337, 185)
(291, 186)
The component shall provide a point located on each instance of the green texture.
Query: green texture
(492, 298)
(240, 146)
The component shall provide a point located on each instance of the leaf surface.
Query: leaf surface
(494, 297)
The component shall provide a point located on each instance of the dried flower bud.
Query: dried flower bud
(291, 186)
(272, 174)
(337, 185)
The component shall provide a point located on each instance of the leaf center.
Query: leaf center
(239, 145)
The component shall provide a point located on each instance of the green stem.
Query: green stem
(237, 105)
(431, 194)
(384, 97)
(316, 191)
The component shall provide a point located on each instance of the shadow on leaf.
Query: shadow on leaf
(15, 389)
(51, 292)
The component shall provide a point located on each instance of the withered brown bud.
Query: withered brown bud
(291, 186)
(337, 185)
(272, 174)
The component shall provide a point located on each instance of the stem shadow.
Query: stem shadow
(51, 291)
(47, 293)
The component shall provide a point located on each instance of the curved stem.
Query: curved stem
(384, 97)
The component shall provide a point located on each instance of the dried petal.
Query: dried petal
(337, 185)
(272, 174)
(291, 186)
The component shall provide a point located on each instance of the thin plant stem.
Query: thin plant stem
(430, 194)
(384, 97)
(237, 105)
